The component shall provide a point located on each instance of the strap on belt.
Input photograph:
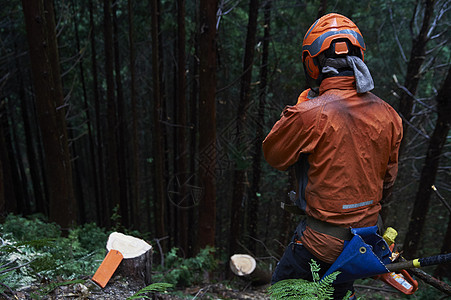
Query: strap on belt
(341, 233)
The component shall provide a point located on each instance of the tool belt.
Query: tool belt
(341, 233)
(365, 253)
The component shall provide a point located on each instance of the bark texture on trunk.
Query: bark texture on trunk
(207, 122)
(239, 178)
(51, 109)
(158, 142)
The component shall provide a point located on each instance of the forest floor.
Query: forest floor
(120, 288)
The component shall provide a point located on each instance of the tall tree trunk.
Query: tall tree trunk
(40, 27)
(112, 156)
(77, 174)
(76, 162)
(18, 206)
(254, 199)
(9, 174)
(135, 150)
(102, 207)
(181, 128)
(164, 115)
(158, 149)
(413, 75)
(429, 171)
(239, 179)
(92, 157)
(15, 151)
(121, 127)
(40, 205)
(194, 125)
(207, 123)
(173, 208)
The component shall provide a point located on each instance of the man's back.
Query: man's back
(350, 141)
(343, 145)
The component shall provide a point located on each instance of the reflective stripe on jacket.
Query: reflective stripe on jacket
(351, 143)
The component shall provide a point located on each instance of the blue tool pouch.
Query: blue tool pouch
(365, 255)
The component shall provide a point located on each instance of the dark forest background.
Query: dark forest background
(149, 115)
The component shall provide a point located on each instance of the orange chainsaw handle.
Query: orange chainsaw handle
(411, 280)
(402, 281)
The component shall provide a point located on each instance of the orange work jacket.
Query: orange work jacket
(349, 143)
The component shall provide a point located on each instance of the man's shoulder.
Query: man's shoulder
(376, 98)
(386, 107)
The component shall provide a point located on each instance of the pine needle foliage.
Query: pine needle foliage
(159, 287)
(303, 289)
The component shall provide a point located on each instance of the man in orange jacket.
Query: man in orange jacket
(343, 142)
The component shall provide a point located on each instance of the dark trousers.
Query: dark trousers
(295, 264)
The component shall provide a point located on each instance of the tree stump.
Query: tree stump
(137, 268)
(128, 256)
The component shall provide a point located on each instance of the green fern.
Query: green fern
(314, 268)
(303, 289)
(159, 287)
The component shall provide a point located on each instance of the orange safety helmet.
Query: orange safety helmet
(332, 32)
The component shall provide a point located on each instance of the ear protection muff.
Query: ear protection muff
(311, 66)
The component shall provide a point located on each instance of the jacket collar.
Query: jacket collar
(337, 82)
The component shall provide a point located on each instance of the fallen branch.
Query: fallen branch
(429, 279)
(426, 278)
(202, 291)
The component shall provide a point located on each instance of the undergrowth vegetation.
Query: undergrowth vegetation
(34, 251)
(185, 271)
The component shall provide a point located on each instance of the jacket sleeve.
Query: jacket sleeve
(392, 168)
(293, 134)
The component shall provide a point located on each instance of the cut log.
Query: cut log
(242, 264)
(245, 266)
